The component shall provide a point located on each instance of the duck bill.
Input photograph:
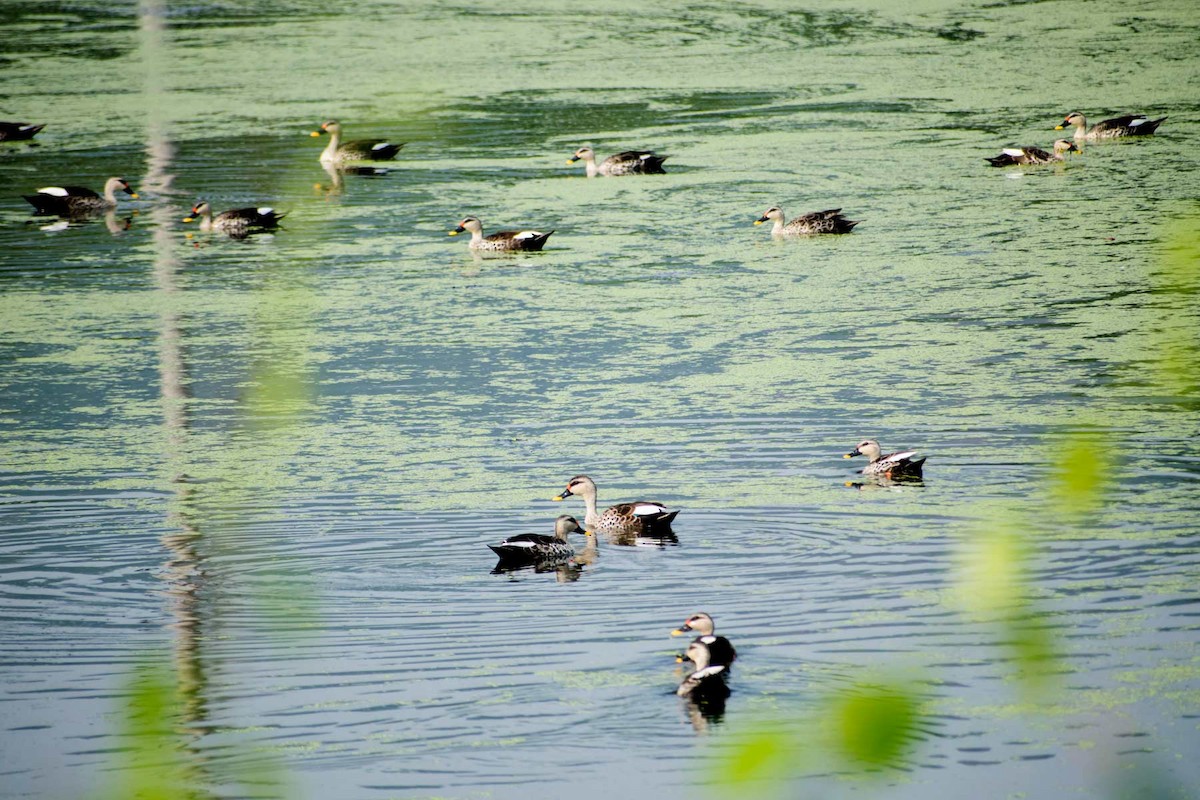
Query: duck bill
(760, 220)
(316, 133)
(129, 191)
(681, 631)
(853, 453)
(457, 231)
(1060, 126)
(572, 159)
(558, 498)
(189, 219)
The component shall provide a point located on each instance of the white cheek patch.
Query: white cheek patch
(381, 145)
(1010, 151)
(56, 191)
(647, 509)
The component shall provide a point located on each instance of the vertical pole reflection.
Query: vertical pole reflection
(182, 572)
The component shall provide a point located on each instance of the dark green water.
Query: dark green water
(280, 459)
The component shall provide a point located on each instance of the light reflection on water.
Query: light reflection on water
(661, 344)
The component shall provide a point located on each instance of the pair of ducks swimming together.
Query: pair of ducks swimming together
(1131, 125)
(651, 518)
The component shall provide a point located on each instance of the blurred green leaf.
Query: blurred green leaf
(875, 725)
(1178, 346)
(1082, 471)
(762, 754)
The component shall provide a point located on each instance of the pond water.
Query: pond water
(279, 460)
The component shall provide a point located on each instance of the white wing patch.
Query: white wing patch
(27, 127)
(381, 145)
(1139, 121)
(899, 456)
(265, 210)
(1012, 151)
(56, 191)
(707, 672)
(527, 235)
(648, 509)
(517, 544)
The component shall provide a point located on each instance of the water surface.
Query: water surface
(280, 459)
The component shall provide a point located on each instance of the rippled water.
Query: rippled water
(280, 459)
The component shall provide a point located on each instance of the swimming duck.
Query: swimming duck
(67, 201)
(830, 221)
(237, 221)
(16, 131)
(1032, 155)
(1132, 125)
(720, 648)
(892, 465)
(627, 518)
(504, 240)
(631, 162)
(707, 681)
(531, 547)
(339, 152)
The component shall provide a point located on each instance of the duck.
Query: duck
(1131, 125)
(67, 201)
(1033, 155)
(237, 221)
(528, 548)
(504, 240)
(830, 221)
(707, 681)
(720, 647)
(339, 152)
(893, 465)
(642, 517)
(631, 162)
(17, 131)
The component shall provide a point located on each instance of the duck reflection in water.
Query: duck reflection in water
(704, 689)
(337, 177)
(116, 225)
(542, 553)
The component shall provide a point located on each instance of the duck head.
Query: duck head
(774, 213)
(581, 485)
(198, 210)
(330, 126)
(1063, 146)
(867, 447)
(700, 623)
(566, 524)
(471, 224)
(584, 153)
(698, 654)
(1074, 120)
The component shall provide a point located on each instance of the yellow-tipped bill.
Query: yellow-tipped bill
(315, 133)
(758, 222)
(189, 219)
(134, 195)
(453, 233)
(1058, 127)
(678, 632)
(847, 456)
(558, 498)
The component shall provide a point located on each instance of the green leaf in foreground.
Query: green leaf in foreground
(875, 725)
